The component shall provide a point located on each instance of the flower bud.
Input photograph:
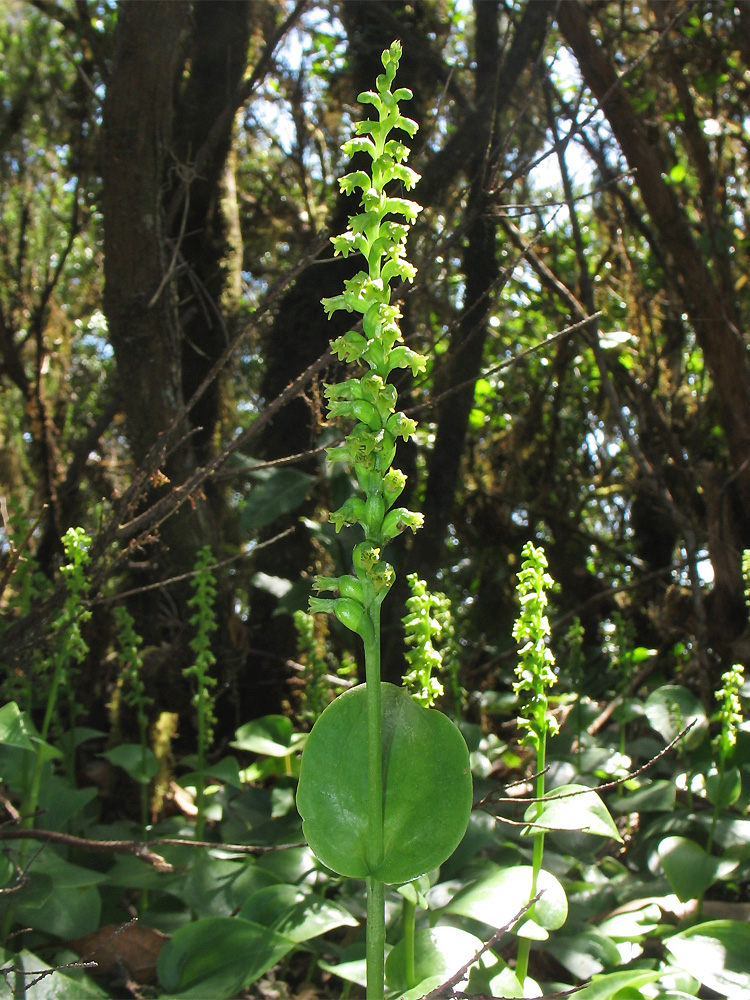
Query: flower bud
(397, 520)
(353, 615)
(393, 485)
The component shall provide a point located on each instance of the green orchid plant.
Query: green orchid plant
(385, 787)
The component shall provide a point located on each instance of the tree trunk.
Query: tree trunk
(455, 385)
(165, 243)
(713, 317)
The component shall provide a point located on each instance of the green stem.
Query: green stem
(375, 939)
(714, 821)
(31, 799)
(375, 846)
(524, 946)
(409, 915)
(201, 779)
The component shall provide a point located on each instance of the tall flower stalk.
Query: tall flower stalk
(534, 676)
(370, 447)
(203, 619)
(386, 835)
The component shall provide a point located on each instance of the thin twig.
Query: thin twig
(191, 573)
(440, 991)
(496, 798)
(139, 849)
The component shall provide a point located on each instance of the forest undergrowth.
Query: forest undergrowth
(422, 841)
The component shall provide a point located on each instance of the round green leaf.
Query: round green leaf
(497, 898)
(218, 957)
(671, 708)
(427, 788)
(717, 953)
(438, 951)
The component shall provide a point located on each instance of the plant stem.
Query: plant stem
(31, 799)
(375, 888)
(524, 946)
(375, 939)
(409, 916)
(201, 770)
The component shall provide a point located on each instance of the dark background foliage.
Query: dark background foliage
(168, 182)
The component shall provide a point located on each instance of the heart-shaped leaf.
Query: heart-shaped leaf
(427, 787)
(723, 786)
(689, 868)
(218, 957)
(67, 910)
(49, 983)
(497, 898)
(17, 730)
(272, 736)
(137, 761)
(671, 708)
(438, 951)
(297, 913)
(717, 953)
(610, 985)
(573, 807)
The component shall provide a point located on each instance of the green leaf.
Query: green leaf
(279, 493)
(495, 900)
(633, 924)
(137, 761)
(678, 173)
(689, 868)
(299, 914)
(79, 736)
(717, 953)
(427, 787)
(477, 419)
(438, 951)
(608, 986)
(48, 984)
(33, 893)
(60, 803)
(671, 708)
(68, 912)
(271, 736)
(723, 787)
(64, 874)
(226, 770)
(419, 991)
(218, 957)
(17, 730)
(655, 796)
(352, 965)
(585, 953)
(15, 727)
(573, 807)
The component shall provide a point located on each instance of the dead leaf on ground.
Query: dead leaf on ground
(132, 947)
